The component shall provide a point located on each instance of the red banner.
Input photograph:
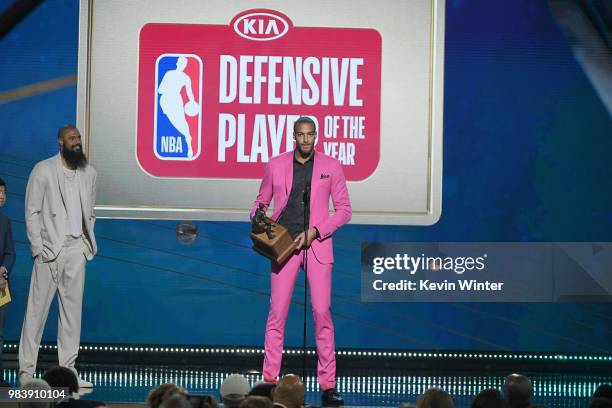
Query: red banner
(258, 75)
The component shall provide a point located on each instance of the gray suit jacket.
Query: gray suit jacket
(46, 213)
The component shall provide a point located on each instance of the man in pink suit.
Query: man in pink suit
(286, 179)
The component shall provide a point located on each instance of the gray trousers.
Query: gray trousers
(66, 276)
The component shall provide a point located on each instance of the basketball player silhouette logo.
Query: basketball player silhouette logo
(178, 110)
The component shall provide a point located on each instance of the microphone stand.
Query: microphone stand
(306, 199)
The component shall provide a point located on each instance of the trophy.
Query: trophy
(270, 239)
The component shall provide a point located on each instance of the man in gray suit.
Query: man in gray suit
(60, 198)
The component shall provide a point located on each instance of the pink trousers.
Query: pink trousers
(319, 283)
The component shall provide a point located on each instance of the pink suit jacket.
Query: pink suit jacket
(327, 180)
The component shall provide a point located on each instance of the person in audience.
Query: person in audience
(234, 390)
(602, 397)
(603, 391)
(489, 398)
(35, 384)
(163, 392)
(289, 392)
(202, 401)
(63, 377)
(176, 400)
(435, 398)
(262, 389)
(600, 403)
(518, 391)
(255, 401)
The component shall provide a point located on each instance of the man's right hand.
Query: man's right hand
(3, 283)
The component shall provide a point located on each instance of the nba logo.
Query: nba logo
(178, 107)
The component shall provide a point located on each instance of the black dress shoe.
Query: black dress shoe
(331, 398)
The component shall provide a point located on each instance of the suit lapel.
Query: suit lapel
(59, 174)
(289, 175)
(83, 194)
(315, 180)
(286, 166)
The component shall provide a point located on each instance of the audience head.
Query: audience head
(176, 400)
(518, 391)
(600, 402)
(256, 401)
(234, 390)
(489, 398)
(603, 391)
(602, 397)
(435, 398)
(289, 391)
(35, 384)
(160, 394)
(262, 389)
(62, 377)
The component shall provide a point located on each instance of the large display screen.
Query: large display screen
(191, 100)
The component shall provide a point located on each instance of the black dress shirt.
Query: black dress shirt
(292, 217)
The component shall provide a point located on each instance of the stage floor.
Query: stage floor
(131, 384)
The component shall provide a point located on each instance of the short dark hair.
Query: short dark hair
(263, 389)
(62, 377)
(256, 401)
(435, 398)
(304, 119)
(518, 391)
(176, 401)
(63, 128)
(489, 398)
(603, 391)
(600, 403)
(2, 183)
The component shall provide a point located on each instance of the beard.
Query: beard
(74, 158)
(304, 153)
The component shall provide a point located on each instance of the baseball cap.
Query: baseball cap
(234, 389)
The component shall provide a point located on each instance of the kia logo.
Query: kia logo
(261, 25)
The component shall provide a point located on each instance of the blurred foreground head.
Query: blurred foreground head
(435, 398)
(518, 391)
(489, 398)
(234, 390)
(256, 401)
(35, 384)
(263, 389)
(160, 394)
(289, 391)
